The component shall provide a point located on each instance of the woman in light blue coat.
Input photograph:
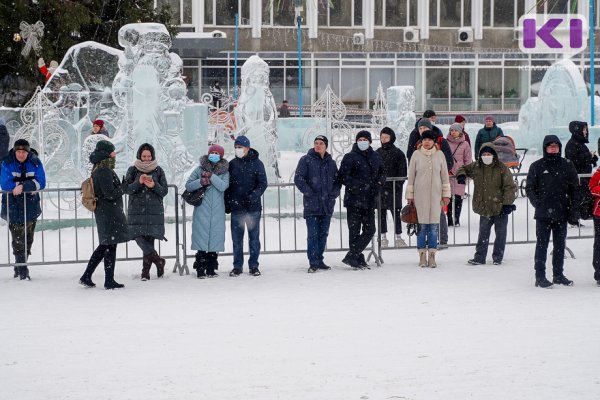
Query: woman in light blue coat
(208, 225)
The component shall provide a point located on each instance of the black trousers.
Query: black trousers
(361, 228)
(22, 239)
(396, 218)
(543, 229)
(454, 207)
(596, 257)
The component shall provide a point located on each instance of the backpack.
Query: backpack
(88, 196)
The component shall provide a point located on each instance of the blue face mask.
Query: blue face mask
(214, 158)
(363, 145)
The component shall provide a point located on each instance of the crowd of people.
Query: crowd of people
(435, 168)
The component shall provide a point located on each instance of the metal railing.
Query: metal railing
(70, 230)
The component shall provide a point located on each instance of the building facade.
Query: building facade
(460, 55)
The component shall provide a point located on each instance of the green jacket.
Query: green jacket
(486, 135)
(494, 186)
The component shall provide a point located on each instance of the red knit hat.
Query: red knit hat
(218, 149)
(459, 119)
(99, 122)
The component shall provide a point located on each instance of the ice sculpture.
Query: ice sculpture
(256, 114)
(563, 97)
(401, 117)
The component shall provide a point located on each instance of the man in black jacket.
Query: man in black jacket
(578, 153)
(552, 190)
(362, 173)
(415, 135)
(247, 183)
(394, 164)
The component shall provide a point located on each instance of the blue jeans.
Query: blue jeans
(428, 236)
(317, 227)
(250, 220)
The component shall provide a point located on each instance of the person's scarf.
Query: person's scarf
(107, 162)
(145, 166)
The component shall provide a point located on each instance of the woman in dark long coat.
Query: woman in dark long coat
(146, 185)
(110, 219)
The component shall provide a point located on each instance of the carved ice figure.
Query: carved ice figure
(150, 88)
(256, 114)
(563, 97)
(401, 116)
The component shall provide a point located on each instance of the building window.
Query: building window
(453, 13)
(502, 13)
(436, 85)
(222, 12)
(490, 89)
(343, 13)
(462, 89)
(557, 7)
(280, 13)
(395, 13)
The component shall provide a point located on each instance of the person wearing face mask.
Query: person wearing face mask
(584, 160)
(428, 188)
(493, 197)
(362, 173)
(552, 188)
(208, 221)
(461, 152)
(316, 177)
(146, 185)
(247, 183)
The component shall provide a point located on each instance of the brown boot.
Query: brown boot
(422, 258)
(431, 262)
(159, 262)
(146, 264)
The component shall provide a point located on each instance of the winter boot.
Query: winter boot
(431, 260)
(211, 265)
(352, 261)
(362, 262)
(109, 275)
(543, 282)
(159, 262)
(200, 266)
(22, 270)
(86, 278)
(16, 275)
(146, 264)
(384, 241)
(399, 242)
(562, 280)
(422, 258)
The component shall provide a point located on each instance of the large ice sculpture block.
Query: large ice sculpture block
(401, 116)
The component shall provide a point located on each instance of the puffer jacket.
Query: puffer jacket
(486, 135)
(208, 223)
(494, 184)
(31, 174)
(363, 175)
(247, 183)
(316, 178)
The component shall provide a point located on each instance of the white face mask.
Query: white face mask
(363, 145)
(239, 152)
(487, 160)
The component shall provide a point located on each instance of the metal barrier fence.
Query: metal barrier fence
(67, 236)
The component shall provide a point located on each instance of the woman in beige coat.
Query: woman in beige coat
(429, 190)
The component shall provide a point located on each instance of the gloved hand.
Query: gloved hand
(461, 179)
(507, 209)
(41, 62)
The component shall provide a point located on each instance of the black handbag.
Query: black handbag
(194, 198)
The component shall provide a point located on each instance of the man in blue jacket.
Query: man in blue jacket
(247, 183)
(363, 175)
(316, 178)
(23, 175)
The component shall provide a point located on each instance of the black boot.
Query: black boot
(211, 265)
(86, 278)
(22, 270)
(109, 273)
(543, 282)
(16, 275)
(146, 264)
(159, 262)
(200, 265)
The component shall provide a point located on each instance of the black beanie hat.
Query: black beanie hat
(428, 134)
(22, 144)
(364, 134)
(323, 139)
(106, 146)
(429, 114)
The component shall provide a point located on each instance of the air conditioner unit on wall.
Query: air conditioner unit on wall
(410, 35)
(358, 38)
(465, 35)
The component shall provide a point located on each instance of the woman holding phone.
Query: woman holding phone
(146, 185)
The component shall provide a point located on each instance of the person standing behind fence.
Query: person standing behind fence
(22, 174)
(594, 185)
(99, 129)
(582, 158)
(146, 185)
(247, 183)
(363, 175)
(487, 134)
(4, 141)
(284, 111)
(394, 164)
(110, 219)
(208, 223)
(316, 177)
(459, 119)
(428, 188)
(552, 189)
(493, 198)
(461, 154)
(217, 94)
